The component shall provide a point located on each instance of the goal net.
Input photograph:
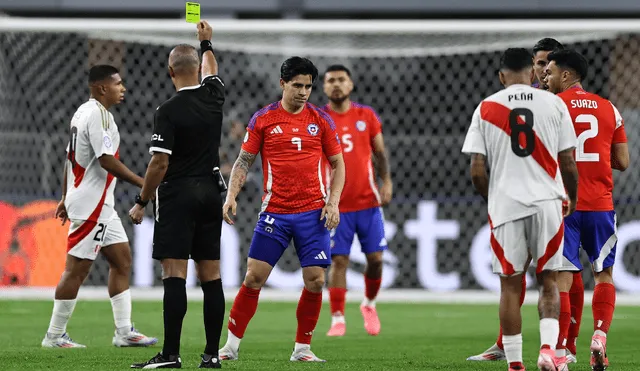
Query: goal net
(424, 78)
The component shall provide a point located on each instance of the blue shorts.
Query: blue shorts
(273, 232)
(595, 231)
(368, 224)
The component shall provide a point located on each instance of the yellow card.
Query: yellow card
(193, 12)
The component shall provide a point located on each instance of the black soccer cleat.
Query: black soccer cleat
(210, 361)
(160, 361)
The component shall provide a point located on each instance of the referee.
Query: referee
(188, 201)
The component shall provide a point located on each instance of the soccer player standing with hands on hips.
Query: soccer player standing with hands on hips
(188, 211)
(90, 169)
(292, 137)
(602, 146)
(527, 136)
(360, 213)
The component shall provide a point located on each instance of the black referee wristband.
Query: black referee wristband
(204, 46)
(139, 201)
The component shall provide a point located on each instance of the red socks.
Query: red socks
(307, 314)
(604, 302)
(523, 293)
(576, 295)
(337, 299)
(243, 309)
(372, 287)
(564, 320)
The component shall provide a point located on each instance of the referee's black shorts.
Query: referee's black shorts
(188, 223)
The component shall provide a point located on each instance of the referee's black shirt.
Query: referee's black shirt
(188, 126)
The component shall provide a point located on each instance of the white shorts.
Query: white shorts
(540, 236)
(87, 238)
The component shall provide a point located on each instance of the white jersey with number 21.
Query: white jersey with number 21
(89, 187)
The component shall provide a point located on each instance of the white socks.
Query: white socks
(299, 346)
(233, 341)
(337, 318)
(121, 306)
(368, 303)
(62, 311)
(549, 332)
(512, 347)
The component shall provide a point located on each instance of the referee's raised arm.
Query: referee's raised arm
(209, 63)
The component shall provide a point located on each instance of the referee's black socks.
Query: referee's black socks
(174, 305)
(213, 311)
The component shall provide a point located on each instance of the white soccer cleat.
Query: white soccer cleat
(59, 341)
(133, 339)
(494, 353)
(571, 358)
(547, 360)
(305, 355)
(227, 354)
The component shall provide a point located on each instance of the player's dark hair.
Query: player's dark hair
(337, 68)
(547, 45)
(570, 60)
(101, 72)
(516, 59)
(295, 66)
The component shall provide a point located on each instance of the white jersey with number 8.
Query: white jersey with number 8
(521, 130)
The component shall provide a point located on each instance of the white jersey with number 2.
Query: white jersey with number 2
(521, 130)
(89, 187)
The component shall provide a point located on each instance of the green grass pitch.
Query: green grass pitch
(413, 337)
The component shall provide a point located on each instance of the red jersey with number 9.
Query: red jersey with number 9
(292, 147)
(598, 125)
(356, 128)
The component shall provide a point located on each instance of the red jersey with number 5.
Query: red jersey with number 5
(356, 128)
(598, 125)
(292, 147)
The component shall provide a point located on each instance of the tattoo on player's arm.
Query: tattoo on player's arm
(479, 175)
(240, 171)
(382, 165)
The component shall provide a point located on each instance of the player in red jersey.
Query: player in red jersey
(360, 213)
(602, 146)
(540, 59)
(292, 137)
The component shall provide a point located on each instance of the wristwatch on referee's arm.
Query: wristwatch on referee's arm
(140, 202)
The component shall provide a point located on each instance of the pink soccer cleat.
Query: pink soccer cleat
(599, 360)
(371, 320)
(562, 363)
(547, 360)
(337, 329)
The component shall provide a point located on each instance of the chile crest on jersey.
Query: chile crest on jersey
(313, 129)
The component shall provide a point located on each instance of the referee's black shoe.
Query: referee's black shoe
(160, 361)
(209, 362)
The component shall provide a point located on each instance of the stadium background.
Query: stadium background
(424, 85)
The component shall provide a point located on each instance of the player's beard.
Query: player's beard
(338, 100)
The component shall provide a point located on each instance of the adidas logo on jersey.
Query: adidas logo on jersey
(277, 130)
(321, 256)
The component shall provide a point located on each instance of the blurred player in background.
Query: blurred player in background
(361, 137)
(90, 170)
(540, 52)
(602, 146)
(531, 165)
(292, 137)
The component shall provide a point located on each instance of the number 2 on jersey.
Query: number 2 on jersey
(581, 155)
(526, 127)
